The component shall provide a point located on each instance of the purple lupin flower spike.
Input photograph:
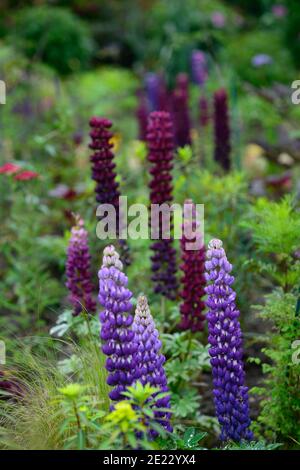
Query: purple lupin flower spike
(104, 174)
(161, 145)
(78, 270)
(226, 352)
(152, 85)
(149, 359)
(116, 332)
(222, 129)
(199, 67)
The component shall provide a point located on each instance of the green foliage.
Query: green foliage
(291, 29)
(190, 439)
(252, 108)
(28, 289)
(280, 403)
(254, 43)
(255, 7)
(134, 415)
(275, 231)
(45, 417)
(55, 36)
(253, 445)
(83, 417)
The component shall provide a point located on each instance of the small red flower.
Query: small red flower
(9, 168)
(26, 175)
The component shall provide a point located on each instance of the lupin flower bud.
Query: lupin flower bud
(103, 172)
(116, 321)
(78, 270)
(222, 129)
(149, 359)
(161, 145)
(193, 279)
(226, 352)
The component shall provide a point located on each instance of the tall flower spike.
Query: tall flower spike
(181, 115)
(226, 351)
(161, 145)
(149, 359)
(78, 270)
(152, 86)
(199, 67)
(193, 279)
(103, 172)
(157, 93)
(116, 324)
(222, 129)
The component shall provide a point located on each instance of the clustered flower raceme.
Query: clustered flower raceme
(103, 172)
(222, 129)
(78, 271)
(116, 321)
(160, 140)
(225, 338)
(193, 279)
(149, 360)
(180, 111)
(103, 166)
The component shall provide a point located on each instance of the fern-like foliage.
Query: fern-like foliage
(275, 228)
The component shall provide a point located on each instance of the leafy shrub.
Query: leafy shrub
(54, 36)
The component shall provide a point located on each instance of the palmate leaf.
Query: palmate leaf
(186, 404)
(192, 437)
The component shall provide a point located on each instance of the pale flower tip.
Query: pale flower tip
(215, 244)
